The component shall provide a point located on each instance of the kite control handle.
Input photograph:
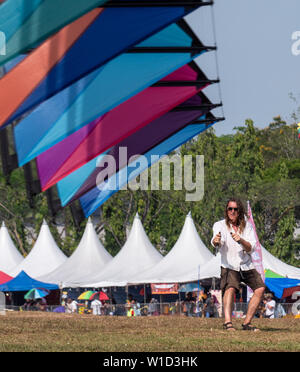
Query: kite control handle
(217, 236)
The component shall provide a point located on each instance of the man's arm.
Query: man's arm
(216, 239)
(246, 245)
(249, 241)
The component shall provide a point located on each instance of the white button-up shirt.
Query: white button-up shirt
(233, 254)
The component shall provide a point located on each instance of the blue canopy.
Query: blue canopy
(23, 282)
(280, 286)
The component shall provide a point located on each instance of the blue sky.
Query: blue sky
(257, 68)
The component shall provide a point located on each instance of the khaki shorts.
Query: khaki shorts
(232, 279)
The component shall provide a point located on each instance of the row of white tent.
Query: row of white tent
(138, 261)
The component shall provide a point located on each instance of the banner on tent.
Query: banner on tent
(257, 254)
(164, 288)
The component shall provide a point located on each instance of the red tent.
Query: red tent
(4, 277)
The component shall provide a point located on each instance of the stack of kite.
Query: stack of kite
(86, 78)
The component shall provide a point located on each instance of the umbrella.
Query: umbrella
(35, 293)
(85, 295)
(190, 287)
(99, 296)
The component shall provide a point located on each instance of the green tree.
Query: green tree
(284, 243)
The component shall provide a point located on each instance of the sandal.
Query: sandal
(228, 326)
(249, 327)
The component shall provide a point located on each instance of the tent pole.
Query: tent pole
(110, 300)
(60, 293)
(179, 301)
(145, 295)
(160, 300)
(199, 277)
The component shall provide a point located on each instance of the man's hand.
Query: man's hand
(236, 237)
(241, 241)
(217, 239)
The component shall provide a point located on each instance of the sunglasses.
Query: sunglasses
(232, 209)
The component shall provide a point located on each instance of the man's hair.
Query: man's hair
(241, 222)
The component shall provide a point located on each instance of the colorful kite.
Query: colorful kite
(71, 54)
(93, 199)
(28, 22)
(127, 118)
(84, 179)
(102, 90)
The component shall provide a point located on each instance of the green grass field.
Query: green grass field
(33, 331)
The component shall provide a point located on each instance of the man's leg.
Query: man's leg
(253, 304)
(228, 303)
(230, 283)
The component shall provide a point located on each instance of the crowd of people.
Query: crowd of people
(201, 304)
(39, 304)
(195, 304)
(205, 304)
(95, 307)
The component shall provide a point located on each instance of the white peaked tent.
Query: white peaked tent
(44, 257)
(90, 257)
(10, 257)
(188, 254)
(273, 263)
(212, 268)
(137, 255)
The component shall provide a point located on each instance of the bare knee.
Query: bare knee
(259, 291)
(230, 291)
